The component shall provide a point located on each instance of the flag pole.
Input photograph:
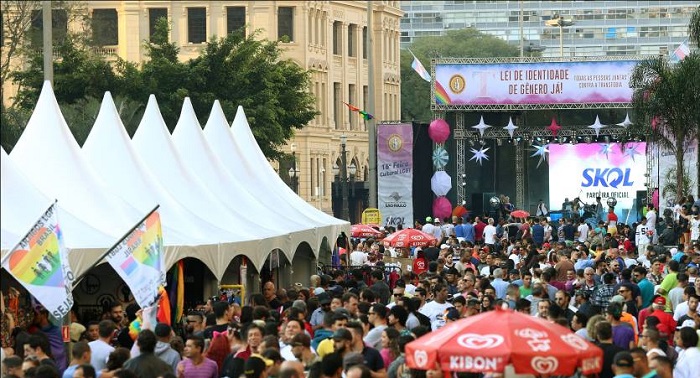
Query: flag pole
(102, 257)
(7, 256)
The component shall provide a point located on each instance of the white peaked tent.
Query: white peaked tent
(108, 149)
(247, 162)
(23, 204)
(189, 140)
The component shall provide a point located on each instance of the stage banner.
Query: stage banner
(535, 83)
(395, 173)
(40, 263)
(589, 170)
(139, 260)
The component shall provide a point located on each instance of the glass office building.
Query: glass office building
(598, 28)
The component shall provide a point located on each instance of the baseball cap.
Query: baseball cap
(623, 359)
(324, 298)
(428, 219)
(686, 323)
(436, 220)
(660, 301)
(256, 365)
(444, 246)
(342, 334)
(318, 291)
(617, 298)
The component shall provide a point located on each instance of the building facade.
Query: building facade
(600, 28)
(326, 37)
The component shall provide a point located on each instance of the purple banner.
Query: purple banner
(514, 84)
(395, 173)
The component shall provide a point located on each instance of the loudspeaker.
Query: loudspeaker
(481, 205)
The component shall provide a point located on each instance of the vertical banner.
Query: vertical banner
(139, 260)
(40, 263)
(395, 173)
(663, 174)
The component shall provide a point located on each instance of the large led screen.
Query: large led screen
(589, 170)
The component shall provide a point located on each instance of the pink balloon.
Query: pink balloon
(442, 207)
(439, 130)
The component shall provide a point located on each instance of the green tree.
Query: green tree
(464, 43)
(694, 27)
(666, 103)
(248, 71)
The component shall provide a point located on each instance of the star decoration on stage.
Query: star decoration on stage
(596, 126)
(626, 122)
(511, 127)
(631, 150)
(481, 126)
(553, 127)
(542, 151)
(606, 149)
(479, 155)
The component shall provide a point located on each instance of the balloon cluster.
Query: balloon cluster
(441, 182)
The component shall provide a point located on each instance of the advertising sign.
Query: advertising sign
(605, 170)
(534, 83)
(395, 173)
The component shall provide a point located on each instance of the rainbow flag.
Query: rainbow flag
(177, 290)
(352, 107)
(441, 96)
(139, 259)
(40, 263)
(366, 116)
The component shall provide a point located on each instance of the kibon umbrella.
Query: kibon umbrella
(363, 231)
(407, 238)
(519, 214)
(491, 341)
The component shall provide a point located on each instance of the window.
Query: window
(365, 42)
(285, 24)
(352, 101)
(59, 21)
(351, 40)
(235, 19)
(153, 15)
(105, 28)
(336, 105)
(196, 25)
(337, 34)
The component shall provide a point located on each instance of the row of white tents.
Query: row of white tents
(219, 197)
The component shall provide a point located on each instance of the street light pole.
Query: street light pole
(345, 211)
(293, 171)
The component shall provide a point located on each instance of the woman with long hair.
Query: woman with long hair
(219, 348)
(487, 303)
(390, 345)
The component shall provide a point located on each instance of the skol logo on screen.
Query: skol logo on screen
(606, 177)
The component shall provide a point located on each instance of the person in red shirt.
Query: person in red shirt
(420, 264)
(666, 322)
(479, 230)
(612, 221)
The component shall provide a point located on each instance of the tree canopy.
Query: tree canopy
(464, 43)
(236, 70)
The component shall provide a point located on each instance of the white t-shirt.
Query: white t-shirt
(641, 237)
(582, 232)
(358, 258)
(436, 313)
(694, 229)
(428, 228)
(490, 234)
(99, 353)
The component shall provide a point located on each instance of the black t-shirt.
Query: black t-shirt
(609, 352)
(431, 253)
(373, 360)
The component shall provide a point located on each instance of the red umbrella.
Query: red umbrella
(363, 231)
(488, 342)
(519, 214)
(409, 237)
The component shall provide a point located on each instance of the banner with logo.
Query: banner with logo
(533, 83)
(590, 170)
(395, 173)
(139, 260)
(40, 263)
(663, 172)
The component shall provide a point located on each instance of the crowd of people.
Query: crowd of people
(634, 298)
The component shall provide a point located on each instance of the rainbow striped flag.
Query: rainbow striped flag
(40, 263)
(139, 259)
